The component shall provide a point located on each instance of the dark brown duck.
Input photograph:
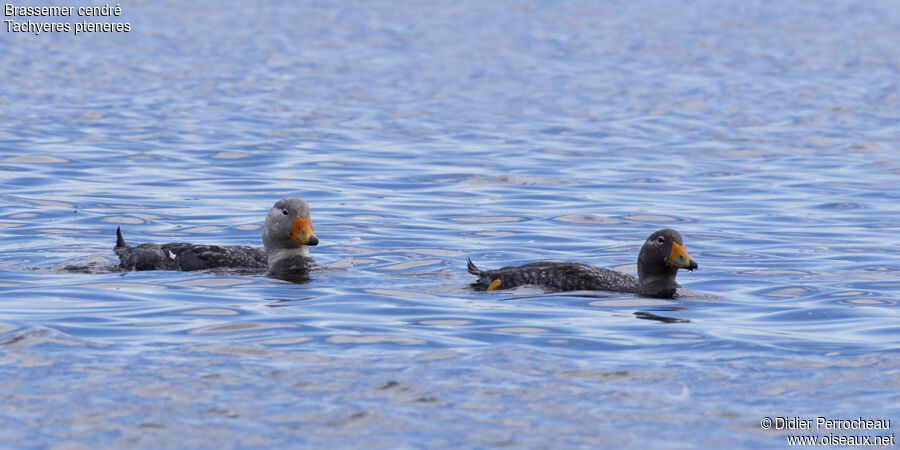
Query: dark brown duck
(662, 254)
(286, 236)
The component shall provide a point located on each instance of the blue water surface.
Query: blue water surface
(421, 134)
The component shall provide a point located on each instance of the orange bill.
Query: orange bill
(678, 257)
(302, 231)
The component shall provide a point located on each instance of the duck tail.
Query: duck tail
(473, 269)
(120, 241)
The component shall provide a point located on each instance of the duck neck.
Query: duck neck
(285, 253)
(655, 277)
(663, 285)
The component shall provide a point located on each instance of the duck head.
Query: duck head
(662, 254)
(288, 226)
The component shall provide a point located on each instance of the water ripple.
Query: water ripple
(500, 131)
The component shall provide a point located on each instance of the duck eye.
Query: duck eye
(284, 211)
(660, 239)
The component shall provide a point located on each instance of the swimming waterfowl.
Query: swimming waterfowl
(287, 235)
(662, 254)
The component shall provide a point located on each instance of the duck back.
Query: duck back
(561, 276)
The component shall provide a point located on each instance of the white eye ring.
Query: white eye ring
(661, 239)
(284, 211)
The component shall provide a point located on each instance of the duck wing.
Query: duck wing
(144, 256)
(562, 276)
(184, 256)
(201, 257)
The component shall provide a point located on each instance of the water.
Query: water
(423, 134)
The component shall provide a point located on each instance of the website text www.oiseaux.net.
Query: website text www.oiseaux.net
(835, 429)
